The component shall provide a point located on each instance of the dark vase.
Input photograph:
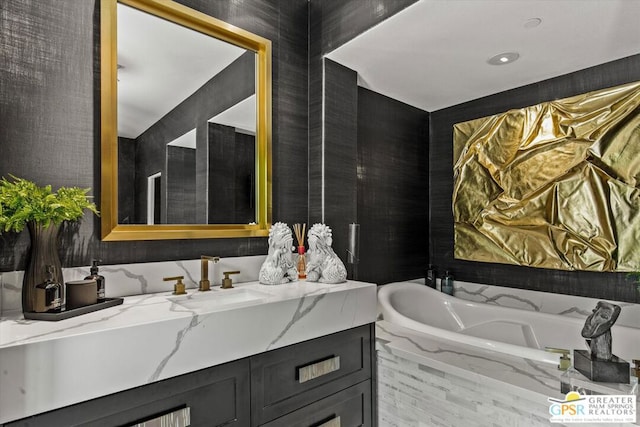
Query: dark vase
(44, 251)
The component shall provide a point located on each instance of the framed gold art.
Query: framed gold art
(555, 185)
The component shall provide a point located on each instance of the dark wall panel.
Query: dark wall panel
(181, 186)
(127, 175)
(47, 127)
(244, 178)
(49, 90)
(616, 286)
(340, 152)
(393, 187)
(231, 176)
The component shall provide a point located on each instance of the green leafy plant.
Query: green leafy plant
(22, 201)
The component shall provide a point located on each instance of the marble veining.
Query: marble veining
(543, 302)
(493, 299)
(179, 338)
(135, 279)
(423, 380)
(541, 375)
(297, 315)
(52, 329)
(152, 337)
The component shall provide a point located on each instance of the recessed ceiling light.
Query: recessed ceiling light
(503, 58)
(532, 23)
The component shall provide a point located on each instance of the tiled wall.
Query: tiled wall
(411, 394)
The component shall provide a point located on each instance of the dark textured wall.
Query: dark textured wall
(244, 177)
(393, 188)
(180, 202)
(231, 175)
(49, 93)
(127, 176)
(615, 286)
(340, 152)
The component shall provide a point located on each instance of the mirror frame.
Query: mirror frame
(187, 17)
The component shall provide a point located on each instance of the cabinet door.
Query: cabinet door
(289, 378)
(348, 408)
(215, 396)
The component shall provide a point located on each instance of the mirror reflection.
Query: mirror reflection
(186, 125)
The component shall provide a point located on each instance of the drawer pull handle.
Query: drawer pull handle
(334, 422)
(177, 418)
(315, 370)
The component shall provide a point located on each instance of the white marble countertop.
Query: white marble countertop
(48, 365)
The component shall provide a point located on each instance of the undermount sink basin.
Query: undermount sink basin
(220, 298)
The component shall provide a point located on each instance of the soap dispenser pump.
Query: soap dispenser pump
(446, 285)
(98, 278)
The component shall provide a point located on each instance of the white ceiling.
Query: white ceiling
(163, 64)
(188, 140)
(434, 53)
(241, 116)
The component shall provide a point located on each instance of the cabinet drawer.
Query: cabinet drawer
(347, 408)
(289, 378)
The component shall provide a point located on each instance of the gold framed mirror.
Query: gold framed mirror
(197, 205)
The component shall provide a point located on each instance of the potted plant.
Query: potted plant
(24, 204)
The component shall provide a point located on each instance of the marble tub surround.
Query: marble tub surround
(136, 279)
(154, 336)
(520, 333)
(426, 381)
(544, 302)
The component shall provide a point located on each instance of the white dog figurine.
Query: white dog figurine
(323, 265)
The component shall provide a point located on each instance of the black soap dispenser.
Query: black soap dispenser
(98, 278)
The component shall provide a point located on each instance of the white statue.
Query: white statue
(323, 265)
(279, 267)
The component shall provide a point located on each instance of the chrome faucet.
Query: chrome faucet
(205, 284)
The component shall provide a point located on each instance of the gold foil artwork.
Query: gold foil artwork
(555, 185)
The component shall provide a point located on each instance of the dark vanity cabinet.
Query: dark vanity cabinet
(302, 383)
(324, 382)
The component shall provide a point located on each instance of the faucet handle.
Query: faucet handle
(565, 358)
(178, 287)
(227, 283)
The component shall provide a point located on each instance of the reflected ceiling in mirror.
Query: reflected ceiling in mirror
(161, 64)
(190, 155)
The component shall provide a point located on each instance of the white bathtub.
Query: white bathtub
(515, 332)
